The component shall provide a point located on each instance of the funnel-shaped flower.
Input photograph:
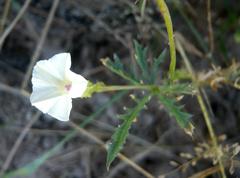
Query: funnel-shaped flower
(54, 86)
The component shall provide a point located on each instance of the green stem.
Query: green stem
(154, 89)
(127, 87)
(211, 132)
(168, 22)
(203, 108)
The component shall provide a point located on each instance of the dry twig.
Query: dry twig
(36, 53)
(18, 143)
(14, 22)
(210, 29)
(5, 14)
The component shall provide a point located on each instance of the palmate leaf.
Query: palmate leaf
(121, 133)
(182, 118)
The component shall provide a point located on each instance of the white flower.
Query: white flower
(54, 86)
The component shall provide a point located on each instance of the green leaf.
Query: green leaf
(117, 67)
(156, 65)
(148, 73)
(182, 118)
(177, 88)
(142, 6)
(237, 36)
(141, 58)
(121, 133)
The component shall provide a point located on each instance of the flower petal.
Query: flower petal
(49, 81)
(58, 107)
(40, 94)
(62, 108)
(79, 84)
(54, 69)
(61, 62)
(41, 76)
(45, 105)
(48, 78)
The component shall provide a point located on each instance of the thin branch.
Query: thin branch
(5, 14)
(136, 158)
(206, 172)
(210, 29)
(38, 49)
(14, 91)
(212, 170)
(18, 143)
(14, 22)
(180, 167)
(102, 24)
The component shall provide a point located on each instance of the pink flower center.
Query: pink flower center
(68, 87)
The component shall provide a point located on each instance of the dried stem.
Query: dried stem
(14, 22)
(4, 15)
(38, 49)
(210, 30)
(18, 143)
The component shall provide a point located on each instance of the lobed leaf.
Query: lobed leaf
(148, 72)
(116, 67)
(182, 118)
(121, 133)
(177, 88)
(141, 59)
(156, 63)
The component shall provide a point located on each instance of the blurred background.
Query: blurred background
(32, 30)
